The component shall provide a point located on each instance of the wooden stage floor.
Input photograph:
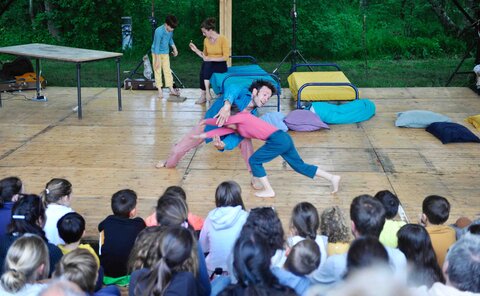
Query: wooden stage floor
(110, 150)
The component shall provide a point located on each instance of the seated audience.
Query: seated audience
(251, 267)
(304, 223)
(174, 273)
(461, 270)
(57, 197)
(173, 211)
(368, 217)
(10, 188)
(195, 221)
(146, 251)
(71, 228)
(334, 226)
(303, 258)
(80, 267)
(26, 264)
(264, 222)
(119, 231)
(435, 212)
(28, 216)
(222, 226)
(415, 243)
(388, 236)
(364, 252)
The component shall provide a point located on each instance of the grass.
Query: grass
(379, 73)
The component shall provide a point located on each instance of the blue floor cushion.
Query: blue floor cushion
(450, 132)
(419, 118)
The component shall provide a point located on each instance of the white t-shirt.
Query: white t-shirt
(53, 213)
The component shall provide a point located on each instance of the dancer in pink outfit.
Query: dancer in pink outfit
(277, 143)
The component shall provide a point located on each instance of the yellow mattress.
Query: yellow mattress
(321, 93)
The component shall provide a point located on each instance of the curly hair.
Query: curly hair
(333, 224)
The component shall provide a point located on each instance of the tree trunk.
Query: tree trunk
(445, 20)
(51, 26)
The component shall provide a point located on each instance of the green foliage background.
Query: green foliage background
(327, 30)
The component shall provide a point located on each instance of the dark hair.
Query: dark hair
(229, 194)
(304, 257)
(176, 244)
(474, 229)
(176, 190)
(368, 215)
(389, 201)
(171, 21)
(463, 268)
(71, 227)
(9, 187)
(436, 208)
(264, 221)
(414, 241)
(27, 213)
(209, 24)
(123, 202)
(258, 84)
(55, 190)
(365, 251)
(305, 220)
(171, 210)
(251, 261)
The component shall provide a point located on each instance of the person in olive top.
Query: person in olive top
(214, 55)
(119, 231)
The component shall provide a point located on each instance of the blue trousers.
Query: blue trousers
(279, 144)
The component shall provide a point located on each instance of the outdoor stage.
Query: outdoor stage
(109, 150)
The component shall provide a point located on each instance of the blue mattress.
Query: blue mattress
(241, 75)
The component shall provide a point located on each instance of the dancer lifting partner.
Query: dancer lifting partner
(246, 99)
(277, 143)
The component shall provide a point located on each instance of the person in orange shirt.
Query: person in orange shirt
(214, 55)
(436, 210)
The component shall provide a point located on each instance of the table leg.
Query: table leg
(37, 83)
(79, 93)
(119, 86)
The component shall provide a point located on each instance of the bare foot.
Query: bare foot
(160, 96)
(265, 193)
(335, 182)
(256, 184)
(160, 164)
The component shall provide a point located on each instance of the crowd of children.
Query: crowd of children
(234, 250)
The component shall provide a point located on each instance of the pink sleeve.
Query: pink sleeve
(221, 131)
(211, 121)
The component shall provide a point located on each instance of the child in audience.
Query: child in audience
(415, 243)
(304, 257)
(365, 252)
(195, 221)
(119, 231)
(304, 224)
(174, 273)
(277, 143)
(173, 211)
(10, 188)
(146, 250)
(80, 267)
(223, 225)
(26, 263)
(251, 265)
(28, 216)
(57, 197)
(436, 210)
(71, 228)
(388, 236)
(334, 226)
